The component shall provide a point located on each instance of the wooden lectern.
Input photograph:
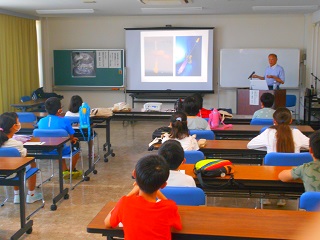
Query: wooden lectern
(243, 100)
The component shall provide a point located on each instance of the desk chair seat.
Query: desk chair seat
(13, 152)
(206, 134)
(191, 196)
(310, 201)
(261, 121)
(65, 154)
(27, 117)
(25, 98)
(287, 159)
(193, 156)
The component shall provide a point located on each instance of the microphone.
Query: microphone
(314, 76)
(250, 77)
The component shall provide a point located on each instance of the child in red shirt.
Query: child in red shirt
(142, 216)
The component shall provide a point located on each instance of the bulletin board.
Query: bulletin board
(81, 68)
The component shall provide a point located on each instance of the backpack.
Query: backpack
(159, 131)
(214, 119)
(84, 119)
(213, 168)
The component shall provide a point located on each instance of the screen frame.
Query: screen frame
(169, 28)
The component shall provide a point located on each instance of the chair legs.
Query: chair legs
(6, 197)
(82, 168)
(52, 173)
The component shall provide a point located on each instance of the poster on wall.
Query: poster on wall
(83, 64)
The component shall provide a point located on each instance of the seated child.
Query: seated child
(173, 153)
(203, 113)
(191, 108)
(266, 111)
(280, 137)
(180, 132)
(75, 103)
(55, 121)
(309, 173)
(9, 125)
(142, 216)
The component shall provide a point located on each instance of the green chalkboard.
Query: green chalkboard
(101, 68)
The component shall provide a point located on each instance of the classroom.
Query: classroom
(287, 29)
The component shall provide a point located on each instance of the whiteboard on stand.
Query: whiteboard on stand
(236, 65)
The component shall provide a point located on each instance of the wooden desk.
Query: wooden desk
(251, 181)
(250, 131)
(9, 165)
(50, 144)
(29, 104)
(234, 150)
(200, 222)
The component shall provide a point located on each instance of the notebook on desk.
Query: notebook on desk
(258, 85)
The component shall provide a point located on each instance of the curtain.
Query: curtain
(18, 60)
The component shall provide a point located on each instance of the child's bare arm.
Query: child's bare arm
(285, 176)
(107, 220)
(160, 195)
(135, 190)
(73, 139)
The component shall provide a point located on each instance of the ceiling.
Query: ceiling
(136, 8)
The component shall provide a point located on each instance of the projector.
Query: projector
(152, 106)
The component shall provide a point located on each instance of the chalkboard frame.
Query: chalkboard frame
(103, 69)
(236, 65)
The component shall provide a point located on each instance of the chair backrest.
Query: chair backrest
(291, 100)
(261, 121)
(9, 152)
(193, 156)
(25, 98)
(191, 196)
(206, 134)
(26, 117)
(287, 159)
(310, 201)
(73, 119)
(50, 133)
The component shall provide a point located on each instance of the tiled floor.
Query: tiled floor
(69, 221)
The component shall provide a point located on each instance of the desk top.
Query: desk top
(257, 128)
(30, 103)
(247, 172)
(13, 164)
(226, 144)
(47, 142)
(240, 223)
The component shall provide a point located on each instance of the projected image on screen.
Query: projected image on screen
(169, 59)
(158, 56)
(188, 56)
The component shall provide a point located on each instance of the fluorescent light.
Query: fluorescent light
(65, 11)
(172, 10)
(165, 2)
(285, 8)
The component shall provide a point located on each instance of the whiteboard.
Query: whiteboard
(236, 65)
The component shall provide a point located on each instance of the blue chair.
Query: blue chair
(190, 196)
(291, 102)
(261, 121)
(206, 134)
(13, 152)
(310, 201)
(287, 159)
(27, 117)
(193, 156)
(25, 98)
(263, 129)
(67, 152)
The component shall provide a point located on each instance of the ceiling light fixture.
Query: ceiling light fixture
(171, 10)
(65, 11)
(285, 8)
(164, 2)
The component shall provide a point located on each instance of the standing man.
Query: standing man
(274, 74)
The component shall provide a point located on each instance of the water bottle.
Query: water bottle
(274, 85)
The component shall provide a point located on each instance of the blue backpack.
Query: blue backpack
(84, 119)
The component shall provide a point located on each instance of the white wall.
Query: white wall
(231, 31)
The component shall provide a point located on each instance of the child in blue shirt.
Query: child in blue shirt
(55, 121)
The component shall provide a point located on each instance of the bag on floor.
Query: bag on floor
(213, 168)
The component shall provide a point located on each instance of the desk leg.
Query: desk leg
(26, 227)
(63, 192)
(107, 145)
